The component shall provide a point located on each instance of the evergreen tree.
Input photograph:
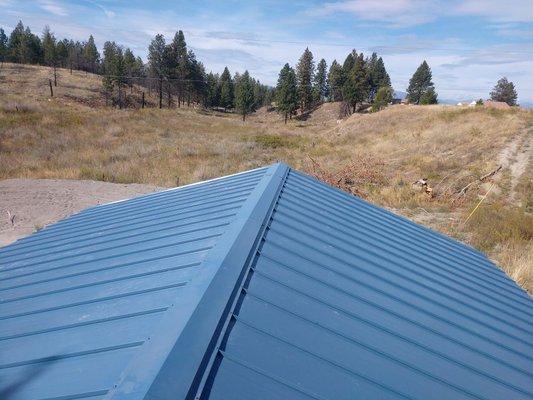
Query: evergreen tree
(50, 51)
(49, 47)
(3, 46)
(182, 65)
(244, 95)
(226, 90)
(421, 83)
(429, 96)
(212, 97)
(349, 63)
(24, 46)
(335, 80)
(91, 55)
(357, 85)
(321, 89)
(196, 85)
(114, 72)
(62, 52)
(383, 98)
(157, 57)
(75, 55)
(32, 49)
(305, 71)
(378, 75)
(287, 92)
(130, 67)
(504, 91)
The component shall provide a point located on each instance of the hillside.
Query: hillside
(378, 156)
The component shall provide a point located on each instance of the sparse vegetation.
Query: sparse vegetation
(74, 136)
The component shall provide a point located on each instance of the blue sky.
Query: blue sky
(468, 44)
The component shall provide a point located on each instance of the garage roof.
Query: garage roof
(267, 285)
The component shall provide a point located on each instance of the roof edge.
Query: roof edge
(188, 352)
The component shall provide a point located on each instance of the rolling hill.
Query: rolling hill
(378, 156)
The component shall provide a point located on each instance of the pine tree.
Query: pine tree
(50, 51)
(357, 85)
(504, 91)
(15, 43)
(244, 95)
(383, 98)
(336, 80)
(157, 59)
(32, 51)
(130, 66)
(3, 46)
(349, 62)
(75, 55)
(287, 92)
(196, 85)
(378, 75)
(182, 66)
(114, 72)
(305, 75)
(321, 89)
(212, 97)
(91, 55)
(24, 46)
(62, 52)
(421, 83)
(49, 47)
(429, 96)
(226, 90)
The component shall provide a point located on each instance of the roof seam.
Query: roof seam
(255, 251)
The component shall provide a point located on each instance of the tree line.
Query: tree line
(172, 70)
(175, 74)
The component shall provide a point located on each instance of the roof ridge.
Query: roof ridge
(178, 361)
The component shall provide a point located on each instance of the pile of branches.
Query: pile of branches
(355, 177)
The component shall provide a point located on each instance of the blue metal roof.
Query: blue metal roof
(262, 285)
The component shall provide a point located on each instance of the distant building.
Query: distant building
(501, 105)
(473, 103)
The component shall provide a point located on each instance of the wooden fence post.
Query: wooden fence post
(142, 103)
(51, 89)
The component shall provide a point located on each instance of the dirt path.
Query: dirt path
(35, 203)
(516, 156)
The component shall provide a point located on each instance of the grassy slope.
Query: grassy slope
(74, 136)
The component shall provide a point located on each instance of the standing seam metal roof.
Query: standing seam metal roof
(264, 285)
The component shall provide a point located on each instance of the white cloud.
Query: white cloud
(398, 13)
(53, 8)
(498, 10)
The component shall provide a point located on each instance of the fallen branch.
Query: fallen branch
(490, 174)
(463, 191)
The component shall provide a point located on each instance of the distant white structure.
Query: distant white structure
(473, 103)
(460, 104)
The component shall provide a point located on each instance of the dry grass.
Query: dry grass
(74, 136)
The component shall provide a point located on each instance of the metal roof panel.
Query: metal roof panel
(265, 285)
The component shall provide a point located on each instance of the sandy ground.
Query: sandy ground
(34, 203)
(516, 156)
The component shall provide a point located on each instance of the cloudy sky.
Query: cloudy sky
(468, 44)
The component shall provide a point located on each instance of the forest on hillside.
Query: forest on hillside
(173, 71)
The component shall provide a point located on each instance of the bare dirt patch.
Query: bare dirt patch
(34, 203)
